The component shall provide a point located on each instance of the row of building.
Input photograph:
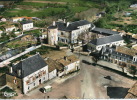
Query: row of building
(34, 70)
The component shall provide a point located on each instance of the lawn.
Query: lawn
(43, 50)
(30, 13)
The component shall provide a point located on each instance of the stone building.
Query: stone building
(28, 73)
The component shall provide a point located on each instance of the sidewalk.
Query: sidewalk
(110, 65)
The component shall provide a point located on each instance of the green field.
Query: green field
(42, 10)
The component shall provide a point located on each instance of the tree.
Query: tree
(95, 57)
(132, 70)
(123, 65)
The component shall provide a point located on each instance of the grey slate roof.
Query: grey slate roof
(29, 66)
(26, 22)
(104, 31)
(72, 26)
(107, 39)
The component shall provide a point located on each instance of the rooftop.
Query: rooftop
(132, 92)
(52, 65)
(125, 50)
(68, 60)
(72, 25)
(29, 65)
(26, 22)
(104, 31)
(107, 39)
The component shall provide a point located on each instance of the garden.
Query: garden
(7, 92)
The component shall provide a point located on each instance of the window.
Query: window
(43, 78)
(28, 87)
(61, 33)
(34, 84)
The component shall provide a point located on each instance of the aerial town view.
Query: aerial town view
(68, 49)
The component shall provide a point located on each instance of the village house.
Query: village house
(70, 63)
(28, 73)
(17, 19)
(52, 35)
(1, 33)
(120, 55)
(1, 6)
(3, 19)
(26, 25)
(10, 28)
(69, 32)
(97, 44)
(55, 68)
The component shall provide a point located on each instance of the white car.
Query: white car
(46, 89)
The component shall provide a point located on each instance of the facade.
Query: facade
(52, 35)
(1, 33)
(28, 73)
(70, 63)
(120, 55)
(69, 32)
(97, 44)
(27, 25)
(17, 19)
(10, 28)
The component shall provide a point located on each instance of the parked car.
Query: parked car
(46, 89)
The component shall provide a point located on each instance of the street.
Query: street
(89, 82)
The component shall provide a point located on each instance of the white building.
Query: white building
(97, 44)
(28, 73)
(70, 63)
(10, 28)
(52, 35)
(27, 25)
(55, 68)
(1, 32)
(69, 32)
(17, 19)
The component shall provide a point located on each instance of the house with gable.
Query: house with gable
(97, 44)
(26, 25)
(28, 73)
(10, 28)
(55, 68)
(68, 32)
(70, 63)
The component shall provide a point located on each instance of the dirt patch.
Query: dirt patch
(46, 2)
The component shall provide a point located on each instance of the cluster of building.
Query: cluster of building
(34, 70)
(23, 24)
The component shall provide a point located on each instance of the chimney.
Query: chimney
(19, 72)
(65, 58)
(64, 20)
(68, 24)
(54, 23)
(10, 70)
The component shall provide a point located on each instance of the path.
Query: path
(53, 2)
